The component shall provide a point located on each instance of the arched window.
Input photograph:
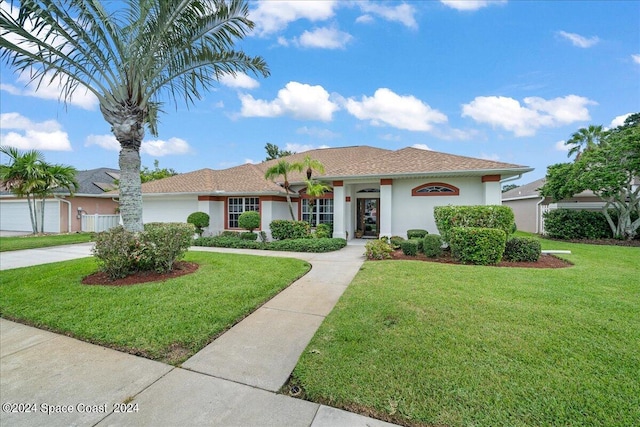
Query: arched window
(436, 189)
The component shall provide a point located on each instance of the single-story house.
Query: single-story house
(374, 191)
(64, 213)
(528, 205)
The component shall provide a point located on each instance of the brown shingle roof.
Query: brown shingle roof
(338, 162)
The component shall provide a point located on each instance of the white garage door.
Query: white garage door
(14, 216)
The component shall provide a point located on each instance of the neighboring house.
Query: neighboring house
(63, 213)
(375, 191)
(528, 205)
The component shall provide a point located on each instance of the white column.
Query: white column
(339, 210)
(385, 210)
(492, 192)
(214, 207)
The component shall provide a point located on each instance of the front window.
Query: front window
(321, 212)
(237, 205)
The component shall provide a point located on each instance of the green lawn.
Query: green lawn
(167, 321)
(422, 343)
(32, 242)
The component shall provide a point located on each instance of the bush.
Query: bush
(378, 249)
(576, 224)
(282, 229)
(229, 233)
(323, 244)
(476, 245)
(200, 221)
(522, 249)
(395, 241)
(324, 231)
(410, 247)
(416, 233)
(120, 252)
(448, 217)
(249, 220)
(228, 242)
(432, 245)
(248, 236)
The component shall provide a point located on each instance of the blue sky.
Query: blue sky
(500, 80)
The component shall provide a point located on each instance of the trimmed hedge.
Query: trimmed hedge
(200, 221)
(395, 241)
(522, 249)
(576, 224)
(291, 245)
(493, 216)
(282, 229)
(432, 245)
(378, 249)
(323, 231)
(248, 236)
(410, 247)
(416, 233)
(249, 220)
(477, 245)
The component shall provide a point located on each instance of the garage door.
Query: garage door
(14, 216)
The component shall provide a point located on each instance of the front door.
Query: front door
(368, 218)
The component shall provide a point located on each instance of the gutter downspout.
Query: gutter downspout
(513, 178)
(68, 213)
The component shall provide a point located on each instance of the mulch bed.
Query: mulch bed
(545, 260)
(180, 268)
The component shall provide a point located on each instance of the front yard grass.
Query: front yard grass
(167, 321)
(421, 343)
(16, 243)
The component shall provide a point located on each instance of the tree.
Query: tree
(28, 175)
(584, 139)
(310, 165)
(274, 152)
(508, 187)
(315, 189)
(611, 170)
(283, 169)
(128, 59)
(147, 174)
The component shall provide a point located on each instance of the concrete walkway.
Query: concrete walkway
(231, 382)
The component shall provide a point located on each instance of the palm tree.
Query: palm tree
(315, 189)
(310, 165)
(55, 177)
(283, 169)
(128, 58)
(584, 139)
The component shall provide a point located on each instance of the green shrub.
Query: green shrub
(230, 233)
(248, 236)
(522, 249)
(228, 242)
(576, 224)
(410, 247)
(476, 245)
(448, 217)
(418, 241)
(249, 220)
(120, 252)
(200, 221)
(324, 231)
(432, 245)
(263, 236)
(395, 241)
(378, 249)
(323, 244)
(282, 229)
(416, 233)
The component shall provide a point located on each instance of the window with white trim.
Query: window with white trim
(322, 211)
(237, 205)
(436, 189)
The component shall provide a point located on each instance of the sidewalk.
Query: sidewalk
(231, 382)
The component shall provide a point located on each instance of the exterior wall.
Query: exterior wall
(168, 209)
(87, 206)
(273, 208)
(417, 211)
(526, 214)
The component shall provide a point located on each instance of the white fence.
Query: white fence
(98, 223)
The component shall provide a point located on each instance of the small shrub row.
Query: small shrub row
(324, 244)
(576, 224)
(416, 233)
(282, 229)
(477, 245)
(493, 216)
(120, 252)
(522, 249)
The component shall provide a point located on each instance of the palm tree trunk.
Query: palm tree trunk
(42, 216)
(130, 191)
(293, 218)
(32, 214)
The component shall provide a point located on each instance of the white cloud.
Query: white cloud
(403, 13)
(250, 161)
(619, 120)
(29, 135)
(300, 148)
(317, 132)
(365, 19)
(324, 38)
(470, 4)
(298, 100)
(509, 114)
(561, 146)
(155, 148)
(578, 40)
(241, 80)
(390, 137)
(493, 157)
(636, 57)
(80, 97)
(274, 16)
(402, 112)
(421, 147)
